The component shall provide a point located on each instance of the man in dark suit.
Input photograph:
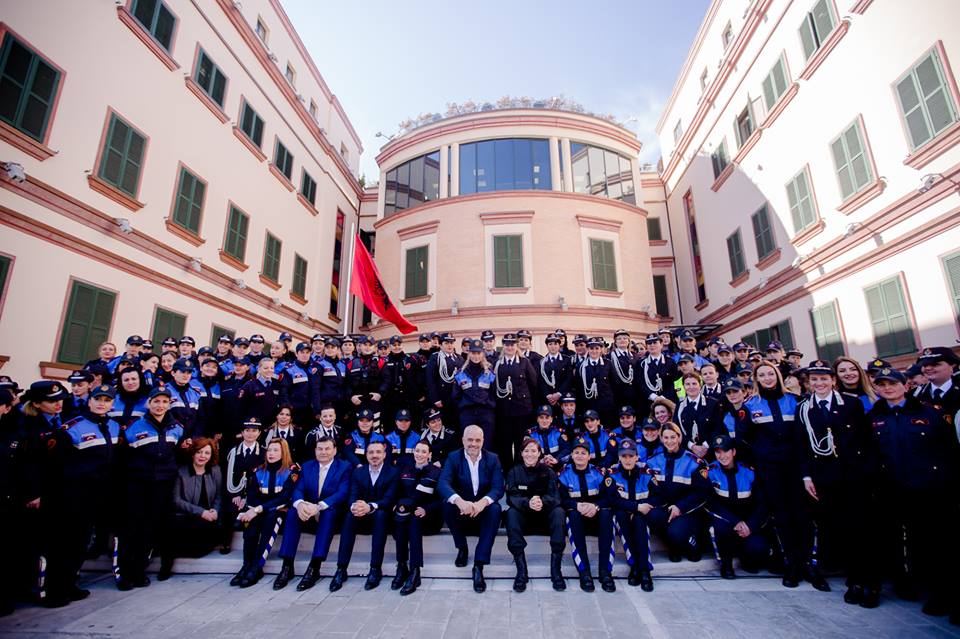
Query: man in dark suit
(373, 489)
(471, 485)
(318, 502)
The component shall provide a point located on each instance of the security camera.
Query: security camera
(196, 265)
(240, 283)
(275, 300)
(124, 224)
(927, 182)
(14, 172)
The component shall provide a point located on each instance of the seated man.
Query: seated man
(373, 489)
(471, 484)
(319, 499)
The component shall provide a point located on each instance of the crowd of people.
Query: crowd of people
(804, 470)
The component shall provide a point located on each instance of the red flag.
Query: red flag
(368, 286)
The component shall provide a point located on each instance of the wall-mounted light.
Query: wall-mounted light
(455, 309)
(275, 300)
(796, 261)
(851, 229)
(304, 317)
(14, 172)
(240, 283)
(196, 265)
(124, 224)
(563, 304)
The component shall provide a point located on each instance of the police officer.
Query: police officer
(418, 512)
(593, 382)
(329, 384)
(256, 349)
(598, 440)
(622, 361)
(655, 374)
(296, 386)
(628, 493)
(186, 349)
(525, 347)
(373, 490)
(185, 398)
(365, 379)
(402, 372)
(442, 440)
(649, 443)
(13, 470)
(566, 420)
(489, 340)
(516, 386)
(211, 400)
(698, 416)
(241, 461)
(440, 374)
(725, 362)
(584, 499)
(534, 502)
(775, 354)
(230, 397)
(688, 346)
(553, 442)
(150, 467)
(131, 354)
(556, 373)
(260, 397)
(355, 444)
(284, 428)
(942, 390)
(79, 394)
(402, 439)
(474, 391)
(579, 352)
(327, 427)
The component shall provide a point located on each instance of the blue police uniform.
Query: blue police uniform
(551, 441)
(586, 486)
(270, 488)
(127, 410)
(296, 390)
(679, 480)
(185, 406)
(418, 489)
(401, 445)
(626, 491)
(260, 398)
(474, 391)
(330, 385)
(598, 445)
(355, 446)
(734, 500)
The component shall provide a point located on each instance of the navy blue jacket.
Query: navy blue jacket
(455, 477)
(383, 493)
(336, 485)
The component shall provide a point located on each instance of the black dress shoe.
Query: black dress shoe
(634, 578)
(607, 582)
(412, 583)
(286, 574)
(479, 584)
(225, 550)
(251, 578)
(871, 598)
(373, 579)
(791, 577)
(310, 578)
(401, 577)
(726, 570)
(76, 594)
(338, 580)
(586, 582)
(141, 582)
(674, 556)
(817, 580)
(853, 595)
(166, 571)
(461, 560)
(646, 581)
(237, 578)
(936, 607)
(124, 585)
(694, 555)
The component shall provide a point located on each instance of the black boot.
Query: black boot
(413, 582)
(586, 581)
(816, 579)
(479, 584)
(791, 576)
(726, 569)
(237, 578)
(461, 560)
(606, 581)
(556, 574)
(253, 576)
(339, 578)
(634, 578)
(520, 581)
(310, 577)
(286, 574)
(646, 581)
(401, 577)
(854, 594)
(166, 569)
(870, 598)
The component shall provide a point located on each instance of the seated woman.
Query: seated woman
(269, 489)
(196, 506)
(649, 444)
(417, 513)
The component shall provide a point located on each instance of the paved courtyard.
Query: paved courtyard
(205, 606)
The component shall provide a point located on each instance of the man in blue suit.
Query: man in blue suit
(471, 485)
(318, 502)
(373, 490)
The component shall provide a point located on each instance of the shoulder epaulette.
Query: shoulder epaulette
(72, 422)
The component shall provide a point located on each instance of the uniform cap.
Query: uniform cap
(432, 415)
(509, 338)
(722, 442)
(774, 346)
(591, 414)
(134, 340)
(581, 442)
(363, 339)
(651, 338)
(225, 339)
(579, 338)
(890, 374)
(552, 338)
(687, 334)
(425, 337)
(396, 339)
(346, 338)
(524, 333)
(877, 363)
(104, 390)
(476, 346)
(619, 332)
(936, 354)
(650, 424)
(303, 346)
(317, 337)
(447, 337)
(627, 447)
(819, 366)
(545, 410)
(560, 332)
(383, 344)
(724, 348)
(76, 377)
(715, 340)
(794, 352)
(6, 397)
(627, 410)
(487, 335)
(285, 337)
(732, 383)
(205, 350)
(365, 413)
(595, 342)
(568, 399)
(186, 339)
(46, 391)
(241, 341)
(168, 341)
(253, 422)
(686, 357)
(241, 361)
(183, 365)
(158, 391)
(402, 415)
(741, 346)
(743, 369)
(331, 341)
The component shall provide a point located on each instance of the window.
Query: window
(290, 74)
(660, 295)
(597, 171)
(210, 78)
(261, 30)
(826, 331)
(775, 84)
(727, 35)
(691, 214)
(5, 263)
(850, 159)
(308, 188)
(951, 264)
(738, 263)
(654, 232)
(892, 329)
(313, 110)
(778, 332)
(344, 153)
(299, 286)
(155, 18)
(87, 324)
(337, 263)
(416, 272)
(816, 27)
(216, 332)
(235, 243)
(283, 159)
(801, 202)
(703, 80)
(168, 324)
(271, 258)
(677, 132)
(926, 103)
(413, 183)
(189, 206)
(508, 261)
(719, 159)
(504, 165)
(744, 125)
(251, 124)
(604, 265)
(122, 156)
(28, 86)
(763, 233)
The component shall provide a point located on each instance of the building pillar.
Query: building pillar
(554, 164)
(567, 166)
(444, 169)
(454, 169)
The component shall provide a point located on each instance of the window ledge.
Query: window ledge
(113, 193)
(208, 102)
(768, 260)
(306, 203)
(702, 305)
(807, 233)
(284, 180)
(602, 293)
(269, 282)
(945, 140)
(658, 242)
(56, 370)
(299, 299)
(4, 359)
(333, 318)
(226, 258)
(748, 144)
(724, 174)
(821, 54)
(183, 233)
(419, 299)
(740, 279)
(780, 105)
(860, 6)
(25, 143)
(862, 196)
(247, 142)
(515, 290)
(147, 38)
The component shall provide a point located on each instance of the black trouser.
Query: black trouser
(149, 504)
(70, 519)
(551, 520)
(782, 493)
(842, 534)
(20, 566)
(485, 525)
(374, 524)
(752, 550)
(259, 536)
(485, 418)
(510, 430)
(190, 536)
(408, 532)
(450, 414)
(635, 537)
(681, 534)
(228, 519)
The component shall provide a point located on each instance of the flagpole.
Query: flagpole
(349, 299)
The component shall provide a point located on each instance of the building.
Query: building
(516, 217)
(188, 171)
(811, 173)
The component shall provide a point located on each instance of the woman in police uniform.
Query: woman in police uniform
(418, 512)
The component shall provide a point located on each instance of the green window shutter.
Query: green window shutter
(122, 156)
(28, 85)
(5, 263)
(210, 78)
(822, 20)
(299, 286)
(807, 37)
(719, 159)
(951, 265)
(508, 261)
(87, 323)
(283, 160)
(308, 188)
(775, 84)
(604, 265)
(783, 334)
(168, 324)
(654, 231)
(271, 258)
(735, 253)
(850, 159)
(826, 332)
(252, 125)
(892, 329)
(157, 19)
(660, 295)
(762, 233)
(189, 206)
(236, 241)
(925, 100)
(801, 202)
(216, 332)
(416, 272)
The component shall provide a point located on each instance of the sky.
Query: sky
(388, 61)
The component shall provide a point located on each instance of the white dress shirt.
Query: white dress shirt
(474, 467)
(322, 478)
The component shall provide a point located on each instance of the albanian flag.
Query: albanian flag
(368, 286)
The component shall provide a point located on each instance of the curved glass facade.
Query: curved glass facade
(412, 183)
(512, 164)
(598, 171)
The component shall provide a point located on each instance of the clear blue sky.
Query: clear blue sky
(388, 61)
